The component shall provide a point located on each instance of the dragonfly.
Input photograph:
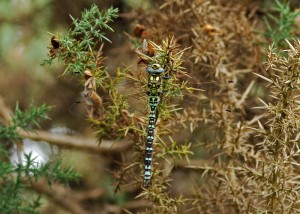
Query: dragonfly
(159, 88)
(155, 72)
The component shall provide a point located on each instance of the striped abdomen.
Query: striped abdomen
(153, 102)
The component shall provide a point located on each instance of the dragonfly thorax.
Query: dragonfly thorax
(154, 85)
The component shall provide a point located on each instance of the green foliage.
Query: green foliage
(89, 27)
(16, 179)
(175, 151)
(23, 120)
(77, 48)
(8, 133)
(51, 170)
(13, 201)
(282, 23)
(28, 120)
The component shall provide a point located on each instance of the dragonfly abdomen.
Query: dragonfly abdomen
(153, 102)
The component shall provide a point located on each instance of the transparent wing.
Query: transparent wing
(183, 94)
(178, 93)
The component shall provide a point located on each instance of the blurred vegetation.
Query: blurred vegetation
(227, 133)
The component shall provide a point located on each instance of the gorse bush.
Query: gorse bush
(114, 121)
(274, 180)
(187, 102)
(19, 178)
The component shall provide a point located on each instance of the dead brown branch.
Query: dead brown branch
(79, 143)
(65, 198)
(5, 112)
(66, 141)
(71, 200)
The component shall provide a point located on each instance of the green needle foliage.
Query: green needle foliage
(28, 120)
(281, 24)
(76, 49)
(15, 180)
(23, 120)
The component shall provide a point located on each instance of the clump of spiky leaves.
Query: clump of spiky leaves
(77, 48)
(21, 120)
(280, 25)
(213, 42)
(166, 150)
(16, 179)
(117, 121)
(274, 179)
(168, 56)
(222, 53)
(81, 51)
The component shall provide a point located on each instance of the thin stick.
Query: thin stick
(66, 141)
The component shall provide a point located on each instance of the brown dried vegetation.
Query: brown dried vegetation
(249, 169)
(213, 152)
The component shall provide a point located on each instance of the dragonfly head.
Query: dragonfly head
(155, 69)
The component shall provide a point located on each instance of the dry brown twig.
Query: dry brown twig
(61, 196)
(66, 141)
